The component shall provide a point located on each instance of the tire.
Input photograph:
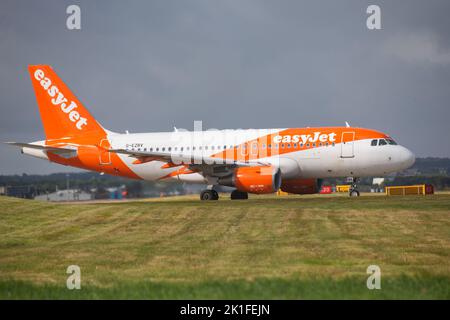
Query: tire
(215, 195)
(209, 195)
(354, 193)
(239, 195)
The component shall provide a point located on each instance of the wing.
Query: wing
(209, 166)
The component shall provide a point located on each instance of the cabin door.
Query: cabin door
(347, 145)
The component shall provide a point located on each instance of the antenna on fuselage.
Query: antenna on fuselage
(175, 129)
(347, 125)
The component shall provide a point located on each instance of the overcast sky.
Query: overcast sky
(151, 65)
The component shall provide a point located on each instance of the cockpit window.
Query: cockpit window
(390, 141)
(382, 142)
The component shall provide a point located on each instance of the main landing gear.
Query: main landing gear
(353, 192)
(209, 195)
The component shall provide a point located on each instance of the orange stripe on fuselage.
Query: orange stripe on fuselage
(258, 148)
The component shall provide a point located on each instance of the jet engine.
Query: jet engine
(301, 186)
(259, 180)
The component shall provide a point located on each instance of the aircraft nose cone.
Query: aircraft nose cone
(407, 158)
(411, 158)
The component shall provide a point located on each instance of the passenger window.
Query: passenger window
(382, 142)
(374, 142)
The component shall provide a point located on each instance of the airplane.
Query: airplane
(256, 161)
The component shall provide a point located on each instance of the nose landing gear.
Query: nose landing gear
(353, 192)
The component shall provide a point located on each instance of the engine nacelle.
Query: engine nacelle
(259, 180)
(301, 186)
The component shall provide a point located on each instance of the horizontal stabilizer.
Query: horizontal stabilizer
(41, 147)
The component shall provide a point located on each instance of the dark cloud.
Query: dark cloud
(150, 65)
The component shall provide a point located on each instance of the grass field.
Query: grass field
(293, 247)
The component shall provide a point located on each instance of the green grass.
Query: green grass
(267, 247)
(325, 288)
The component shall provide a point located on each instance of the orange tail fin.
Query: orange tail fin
(62, 114)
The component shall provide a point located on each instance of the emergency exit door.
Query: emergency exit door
(347, 145)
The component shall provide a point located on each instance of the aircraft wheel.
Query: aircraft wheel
(209, 195)
(239, 195)
(354, 188)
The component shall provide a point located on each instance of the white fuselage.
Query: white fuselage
(355, 158)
